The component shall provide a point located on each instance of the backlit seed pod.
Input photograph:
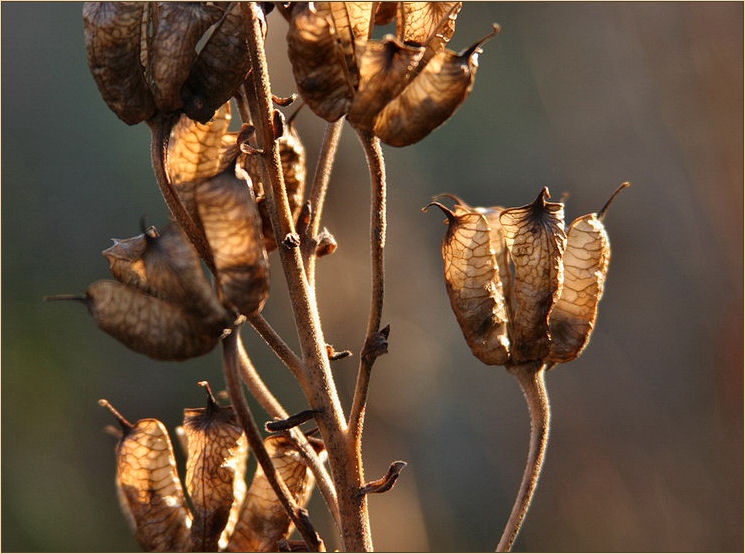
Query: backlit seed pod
(384, 67)
(221, 67)
(177, 27)
(113, 40)
(428, 23)
(263, 521)
(320, 73)
(585, 267)
(474, 287)
(536, 240)
(148, 486)
(232, 225)
(147, 324)
(430, 98)
(215, 471)
(385, 12)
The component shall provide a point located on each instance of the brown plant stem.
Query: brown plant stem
(318, 191)
(238, 399)
(318, 386)
(532, 382)
(376, 165)
(277, 344)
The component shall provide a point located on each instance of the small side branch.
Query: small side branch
(291, 422)
(385, 483)
(376, 164)
(533, 385)
(277, 344)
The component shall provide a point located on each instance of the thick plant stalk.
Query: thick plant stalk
(318, 386)
(531, 379)
(238, 399)
(375, 162)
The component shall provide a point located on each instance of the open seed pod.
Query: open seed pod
(263, 521)
(148, 486)
(215, 472)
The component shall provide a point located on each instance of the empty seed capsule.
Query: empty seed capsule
(427, 23)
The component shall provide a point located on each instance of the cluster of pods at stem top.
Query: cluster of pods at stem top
(225, 515)
(399, 88)
(524, 289)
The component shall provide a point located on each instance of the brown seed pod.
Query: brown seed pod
(536, 240)
(431, 24)
(215, 471)
(113, 40)
(148, 486)
(430, 98)
(473, 285)
(232, 225)
(384, 69)
(221, 67)
(385, 12)
(177, 27)
(147, 324)
(263, 521)
(317, 65)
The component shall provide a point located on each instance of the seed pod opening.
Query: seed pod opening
(429, 23)
(215, 471)
(535, 237)
(148, 487)
(474, 287)
(113, 37)
(263, 521)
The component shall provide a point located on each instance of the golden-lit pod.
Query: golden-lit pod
(431, 24)
(385, 12)
(221, 66)
(263, 521)
(113, 36)
(473, 285)
(215, 471)
(317, 65)
(232, 225)
(176, 29)
(292, 157)
(535, 237)
(147, 324)
(148, 487)
(384, 67)
(431, 97)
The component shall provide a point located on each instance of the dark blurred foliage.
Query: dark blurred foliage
(646, 450)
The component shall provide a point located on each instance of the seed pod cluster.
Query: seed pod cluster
(399, 88)
(522, 288)
(144, 59)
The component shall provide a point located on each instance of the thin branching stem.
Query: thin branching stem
(238, 399)
(318, 386)
(376, 165)
(532, 382)
(277, 344)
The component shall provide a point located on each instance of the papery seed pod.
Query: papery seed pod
(319, 71)
(384, 69)
(167, 266)
(147, 324)
(222, 65)
(473, 285)
(215, 471)
(431, 24)
(177, 27)
(148, 486)
(232, 225)
(536, 240)
(385, 12)
(263, 521)
(113, 40)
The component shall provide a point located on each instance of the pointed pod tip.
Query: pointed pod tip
(475, 48)
(125, 424)
(211, 401)
(448, 213)
(66, 297)
(604, 209)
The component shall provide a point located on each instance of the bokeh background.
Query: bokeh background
(646, 450)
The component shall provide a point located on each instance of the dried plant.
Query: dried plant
(524, 290)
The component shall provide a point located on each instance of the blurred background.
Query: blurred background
(646, 450)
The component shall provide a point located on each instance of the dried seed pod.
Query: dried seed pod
(147, 324)
(148, 486)
(536, 240)
(384, 69)
(385, 12)
(232, 225)
(319, 73)
(221, 67)
(113, 40)
(474, 287)
(431, 97)
(177, 27)
(263, 521)
(428, 23)
(215, 471)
